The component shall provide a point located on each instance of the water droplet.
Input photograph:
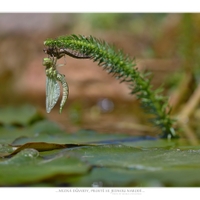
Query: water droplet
(25, 156)
(97, 184)
(143, 167)
(193, 151)
(6, 148)
(36, 134)
(29, 153)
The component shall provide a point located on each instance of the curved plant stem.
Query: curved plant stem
(123, 68)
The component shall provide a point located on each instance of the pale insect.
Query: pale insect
(52, 85)
(62, 80)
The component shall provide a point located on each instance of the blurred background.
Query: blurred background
(165, 44)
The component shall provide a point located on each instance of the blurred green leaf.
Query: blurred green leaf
(20, 115)
(118, 165)
(117, 177)
(26, 167)
(150, 159)
(115, 160)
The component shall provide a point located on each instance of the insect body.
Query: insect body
(52, 85)
(60, 52)
(61, 78)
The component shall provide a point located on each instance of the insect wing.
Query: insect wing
(52, 93)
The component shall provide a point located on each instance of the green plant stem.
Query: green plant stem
(123, 68)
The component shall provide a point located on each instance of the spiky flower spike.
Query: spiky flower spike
(123, 68)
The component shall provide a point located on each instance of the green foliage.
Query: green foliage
(123, 68)
(21, 115)
(26, 168)
(107, 21)
(108, 160)
(188, 44)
